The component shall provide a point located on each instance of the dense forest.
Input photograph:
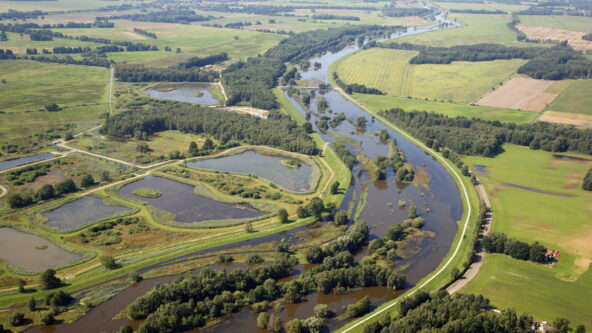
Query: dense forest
(485, 138)
(141, 73)
(334, 17)
(250, 81)
(276, 131)
(441, 312)
(555, 63)
(184, 16)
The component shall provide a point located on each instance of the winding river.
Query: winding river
(434, 193)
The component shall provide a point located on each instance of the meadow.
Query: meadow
(492, 6)
(557, 216)
(389, 71)
(574, 23)
(379, 103)
(19, 44)
(576, 98)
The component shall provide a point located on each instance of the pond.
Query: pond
(32, 253)
(195, 93)
(24, 160)
(263, 166)
(180, 199)
(80, 212)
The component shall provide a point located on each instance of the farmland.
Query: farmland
(379, 103)
(388, 70)
(557, 218)
(521, 94)
(573, 23)
(492, 6)
(576, 98)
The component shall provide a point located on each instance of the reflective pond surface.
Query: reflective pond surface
(80, 212)
(24, 160)
(187, 92)
(263, 166)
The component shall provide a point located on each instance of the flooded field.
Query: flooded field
(80, 212)
(268, 167)
(32, 253)
(180, 199)
(195, 93)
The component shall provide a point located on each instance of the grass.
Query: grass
(558, 222)
(477, 6)
(474, 29)
(390, 71)
(574, 23)
(380, 103)
(147, 193)
(42, 83)
(52, 5)
(576, 98)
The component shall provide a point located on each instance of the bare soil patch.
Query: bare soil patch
(579, 120)
(520, 94)
(573, 38)
(250, 110)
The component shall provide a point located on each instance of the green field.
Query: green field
(486, 6)
(379, 103)
(475, 29)
(559, 219)
(576, 98)
(18, 44)
(574, 23)
(389, 71)
(51, 5)
(40, 83)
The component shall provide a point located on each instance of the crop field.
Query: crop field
(576, 98)
(552, 210)
(486, 6)
(379, 103)
(573, 23)
(573, 38)
(576, 119)
(474, 29)
(520, 93)
(42, 83)
(19, 44)
(389, 71)
(51, 5)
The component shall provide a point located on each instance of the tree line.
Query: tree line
(485, 138)
(145, 33)
(355, 87)
(497, 242)
(12, 14)
(587, 181)
(555, 63)
(392, 11)
(183, 16)
(48, 192)
(278, 130)
(441, 312)
(204, 61)
(251, 81)
(477, 11)
(334, 17)
(141, 73)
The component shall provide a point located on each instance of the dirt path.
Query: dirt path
(474, 268)
(4, 191)
(222, 88)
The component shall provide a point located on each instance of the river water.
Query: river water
(434, 193)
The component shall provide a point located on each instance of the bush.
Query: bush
(87, 181)
(49, 280)
(47, 318)
(322, 310)
(283, 215)
(359, 308)
(17, 319)
(109, 262)
(341, 218)
(262, 320)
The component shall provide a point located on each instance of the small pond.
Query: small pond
(263, 166)
(24, 160)
(482, 169)
(180, 199)
(80, 212)
(186, 93)
(32, 253)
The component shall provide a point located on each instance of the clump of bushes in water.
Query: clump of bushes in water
(386, 247)
(292, 163)
(147, 193)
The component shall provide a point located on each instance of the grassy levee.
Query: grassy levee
(96, 273)
(557, 216)
(460, 248)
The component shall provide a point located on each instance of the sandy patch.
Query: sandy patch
(579, 120)
(574, 38)
(250, 110)
(134, 35)
(520, 94)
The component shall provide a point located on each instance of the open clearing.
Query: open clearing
(573, 38)
(577, 119)
(389, 71)
(520, 93)
(558, 222)
(380, 103)
(573, 23)
(477, 6)
(575, 98)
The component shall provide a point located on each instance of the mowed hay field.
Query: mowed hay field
(576, 98)
(477, 6)
(389, 71)
(558, 218)
(573, 38)
(39, 83)
(573, 23)
(520, 93)
(381, 103)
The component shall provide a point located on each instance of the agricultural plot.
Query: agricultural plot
(552, 209)
(380, 103)
(492, 6)
(520, 93)
(51, 5)
(42, 83)
(566, 118)
(389, 71)
(573, 38)
(19, 44)
(576, 98)
(573, 23)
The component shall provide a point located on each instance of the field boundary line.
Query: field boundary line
(413, 290)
